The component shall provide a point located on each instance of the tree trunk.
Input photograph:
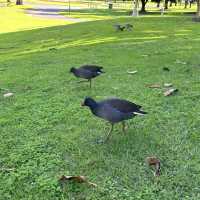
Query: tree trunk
(166, 4)
(186, 4)
(135, 8)
(19, 2)
(143, 6)
(198, 8)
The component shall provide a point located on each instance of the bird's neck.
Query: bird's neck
(74, 70)
(93, 105)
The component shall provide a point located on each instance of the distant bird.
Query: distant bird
(129, 27)
(119, 27)
(87, 72)
(113, 110)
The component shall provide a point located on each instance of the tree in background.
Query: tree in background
(143, 8)
(135, 8)
(19, 2)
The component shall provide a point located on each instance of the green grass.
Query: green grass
(44, 132)
(97, 14)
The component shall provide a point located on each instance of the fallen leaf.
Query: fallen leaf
(154, 86)
(153, 161)
(78, 179)
(180, 62)
(131, 72)
(168, 85)
(170, 92)
(7, 169)
(8, 94)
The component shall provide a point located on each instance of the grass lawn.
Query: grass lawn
(45, 133)
(97, 14)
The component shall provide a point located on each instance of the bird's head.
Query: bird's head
(72, 70)
(88, 101)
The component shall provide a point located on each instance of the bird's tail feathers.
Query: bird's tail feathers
(100, 72)
(140, 112)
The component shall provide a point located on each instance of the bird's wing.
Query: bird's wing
(83, 73)
(113, 115)
(122, 105)
(92, 68)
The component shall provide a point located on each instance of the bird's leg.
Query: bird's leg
(109, 133)
(90, 82)
(123, 126)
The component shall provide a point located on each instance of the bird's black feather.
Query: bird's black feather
(92, 68)
(113, 110)
(122, 105)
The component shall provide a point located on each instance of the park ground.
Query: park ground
(46, 134)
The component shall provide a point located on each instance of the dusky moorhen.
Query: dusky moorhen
(113, 110)
(87, 72)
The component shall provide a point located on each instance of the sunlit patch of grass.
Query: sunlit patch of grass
(14, 19)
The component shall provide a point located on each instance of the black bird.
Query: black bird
(119, 27)
(113, 110)
(87, 72)
(129, 27)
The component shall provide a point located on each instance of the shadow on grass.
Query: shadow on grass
(98, 12)
(168, 13)
(46, 10)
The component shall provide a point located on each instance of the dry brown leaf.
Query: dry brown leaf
(154, 86)
(155, 162)
(170, 92)
(131, 72)
(8, 94)
(6, 169)
(168, 85)
(152, 160)
(180, 62)
(78, 179)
